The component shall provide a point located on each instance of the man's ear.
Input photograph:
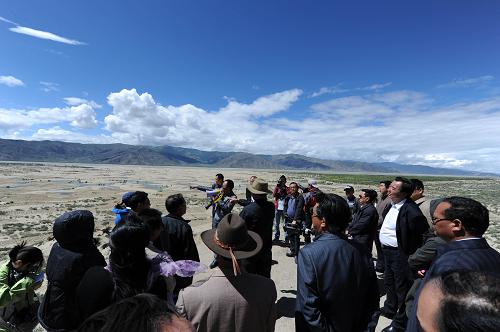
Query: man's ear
(457, 225)
(323, 224)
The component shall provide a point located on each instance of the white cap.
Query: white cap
(313, 183)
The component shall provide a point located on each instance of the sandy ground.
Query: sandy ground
(33, 195)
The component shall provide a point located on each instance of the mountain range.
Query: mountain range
(54, 151)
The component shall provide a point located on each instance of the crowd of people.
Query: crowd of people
(438, 271)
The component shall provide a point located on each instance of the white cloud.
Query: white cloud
(60, 134)
(339, 89)
(376, 86)
(3, 19)
(75, 101)
(11, 81)
(40, 34)
(401, 126)
(45, 35)
(81, 116)
(329, 90)
(467, 82)
(49, 86)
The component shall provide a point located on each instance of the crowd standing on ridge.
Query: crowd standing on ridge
(438, 271)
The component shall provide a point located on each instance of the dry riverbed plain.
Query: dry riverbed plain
(32, 195)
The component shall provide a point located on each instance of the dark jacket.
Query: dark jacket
(336, 286)
(410, 227)
(177, 240)
(69, 259)
(465, 255)
(363, 227)
(299, 208)
(422, 260)
(259, 217)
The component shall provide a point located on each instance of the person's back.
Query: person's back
(69, 259)
(177, 239)
(230, 299)
(336, 283)
(225, 302)
(347, 291)
(259, 217)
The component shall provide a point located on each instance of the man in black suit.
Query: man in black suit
(461, 222)
(177, 237)
(363, 227)
(400, 236)
(259, 217)
(336, 282)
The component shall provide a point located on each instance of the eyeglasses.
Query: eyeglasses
(436, 220)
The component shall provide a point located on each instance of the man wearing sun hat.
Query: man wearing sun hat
(259, 217)
(230, 299)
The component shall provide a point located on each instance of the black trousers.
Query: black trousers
(380, 266)
(397, 282)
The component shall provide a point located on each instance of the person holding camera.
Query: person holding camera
(294, 216)
(279, 194)
(20, 276)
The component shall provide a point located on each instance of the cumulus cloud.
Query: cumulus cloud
(59, 134)
(11, 81)
(408, 127)
(467, 82)
(400, 126)
(75, 101)
(81, 116)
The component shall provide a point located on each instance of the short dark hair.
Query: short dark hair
(417, 184)
(371, 194)
(335, 210)
(143, 312)
(219, 176)
(127, 260)
(295, 183)
(27, 254)
(230, 184)
(386, 183)
(470, 301)
(173, 202)
(473, 215)
(151, 218)
(407, 186)
(136, 198)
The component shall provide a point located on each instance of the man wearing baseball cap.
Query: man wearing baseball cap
(230, 299)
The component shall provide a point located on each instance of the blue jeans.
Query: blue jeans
(277, 220)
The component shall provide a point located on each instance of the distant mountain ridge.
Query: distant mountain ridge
(55, 151)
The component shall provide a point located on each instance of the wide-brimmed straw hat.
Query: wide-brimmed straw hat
(259, 187)
(232, 236)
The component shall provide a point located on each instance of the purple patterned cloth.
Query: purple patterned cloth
(163, 264)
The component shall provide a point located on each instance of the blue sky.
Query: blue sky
(411, 82)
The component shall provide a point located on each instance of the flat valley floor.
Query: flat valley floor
(32, 195)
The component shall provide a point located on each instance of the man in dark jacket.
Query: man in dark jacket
(259, 217)
(176, 238)
(363, 227)
(401, 235)
(421, 260)
(70, 257)
(461, 222)
(294, 218)
(384, 200)
(336, 282)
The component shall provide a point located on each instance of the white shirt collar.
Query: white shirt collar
(398, 206)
